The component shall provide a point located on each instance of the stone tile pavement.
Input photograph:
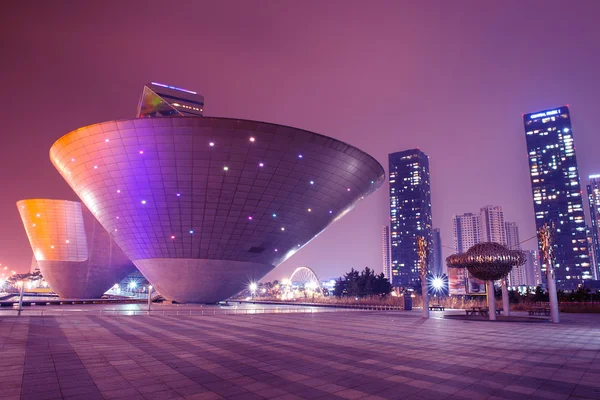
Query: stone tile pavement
(339, 355)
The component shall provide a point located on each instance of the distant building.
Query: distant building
(437, 262)
(491, 225)
(386, 250)
(160, 100)
(465, 228)
(410, 211)
(528, 274)
(557, 192)
(593, 192)
(591, 245)
(512, 236)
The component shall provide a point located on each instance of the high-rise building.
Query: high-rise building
(410, 209)
(528, 274)
(556, 191)
(491, 225)
(512, 236)
(387, 254)
(437, 268)
(465, 228)
(593, 192)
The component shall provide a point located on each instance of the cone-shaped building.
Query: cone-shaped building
(76, 256)
(203, 205)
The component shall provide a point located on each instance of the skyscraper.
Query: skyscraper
(410, 210)
(512, 235)
(465, 228)
(387, 255)
(491, 225)
(593, 192)
(557, 192)
(528, 274)
(437, 268)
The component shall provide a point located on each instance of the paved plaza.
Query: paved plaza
(333, 355)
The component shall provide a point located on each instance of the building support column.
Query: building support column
(491, 300)
(505, 299)
(552, 295)
(425, 296)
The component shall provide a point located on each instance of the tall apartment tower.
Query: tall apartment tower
(410, 211)
(465, 228)
(593, 192)
(387, 255)
(512, 235)
(557, 192)
(491, 225)
(437, 268)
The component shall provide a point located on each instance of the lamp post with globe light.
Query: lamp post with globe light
(149, 297)
(423, 253)
(546, 240)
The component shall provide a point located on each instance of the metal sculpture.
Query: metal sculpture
(423, 254)
(489, 261)
(546, 241)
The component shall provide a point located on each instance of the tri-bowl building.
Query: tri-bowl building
(204, 205)
(75, 254)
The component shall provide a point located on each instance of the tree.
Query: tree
(362, 284)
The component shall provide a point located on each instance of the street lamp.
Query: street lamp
(253, 286)
(149, 298)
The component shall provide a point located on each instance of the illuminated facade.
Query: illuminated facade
(593, 192)
(465, 228)
(387, 254)
(410, 211)
(76, 256)
(557, 196)
(160, 100)
(203, 206)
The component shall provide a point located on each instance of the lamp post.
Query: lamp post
(253, 286)
(546, 239)
(423, 252)
(22, 284)
(149, 298)
(505, 299)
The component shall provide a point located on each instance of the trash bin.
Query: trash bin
(407, 302)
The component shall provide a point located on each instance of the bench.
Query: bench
(436, 307)
(539, 311)
(478, 310)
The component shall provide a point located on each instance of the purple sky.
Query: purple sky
(449, 77)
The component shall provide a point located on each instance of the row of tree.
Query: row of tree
(365, 283)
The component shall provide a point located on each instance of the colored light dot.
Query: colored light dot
(37, 215)
(312, 182)
(275, 250)
(95, 167)
(106, 140)
(72, 159)
(299, 155)
(34, 225)
(309, 210)
(252, 139)
(282, 228)
(141, 151)
(172, 236)
(117, 217)
(225, 168)
(348, 189)
(191, 232)
(115, 229)
(261, 165)
(212, 144)
(330, 212)
(250, 217)
(143, 201)
(51, 247)
(372, 182)
(178, 194)
(67, 241)
(118, 190)
(274, 215)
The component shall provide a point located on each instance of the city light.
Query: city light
(253, 286)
